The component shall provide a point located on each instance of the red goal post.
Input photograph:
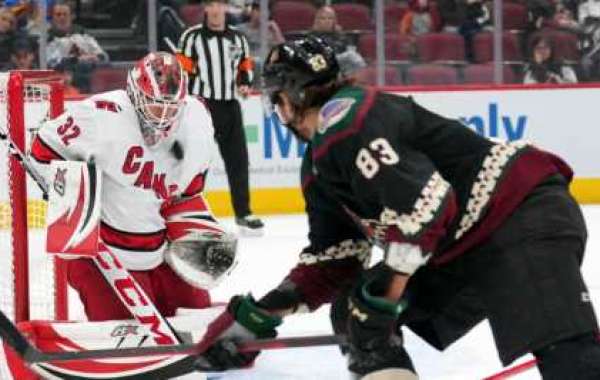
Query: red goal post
(32, 283)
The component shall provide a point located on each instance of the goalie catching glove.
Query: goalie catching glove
(203, 259)
(247, 322)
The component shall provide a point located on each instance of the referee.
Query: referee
(219, 64)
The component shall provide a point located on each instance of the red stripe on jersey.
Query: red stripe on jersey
(42, 152)
(148, 241)
(196, 186)
(307, 181)
(187, 204)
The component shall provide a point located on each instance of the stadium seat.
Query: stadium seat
(433, 47)
(293, 15)
(353, 16)
(565, 44)
(431, 74)
(514, 16)
(191, 14)
(484, 74)
(368, 76)
(397, 47)
(393, 14)
(483, 47)
(108, 78)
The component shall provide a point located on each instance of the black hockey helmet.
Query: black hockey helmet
(297, 64)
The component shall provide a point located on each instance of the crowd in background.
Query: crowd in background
(545, 41)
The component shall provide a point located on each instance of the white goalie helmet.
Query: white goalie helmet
(157, 86)
(202, 257)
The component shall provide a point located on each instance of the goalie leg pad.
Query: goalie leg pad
(173, 293)
(164, 288)
(97, 296)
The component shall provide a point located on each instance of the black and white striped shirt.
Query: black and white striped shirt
(221, 61)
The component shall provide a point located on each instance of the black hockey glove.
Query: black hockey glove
(374, 339)
(249, 322)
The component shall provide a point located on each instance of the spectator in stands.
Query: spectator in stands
(420, 18)
(252, 29)
(237, 13)
(452, 14)
(22, 55)
(540, 13)
(7, 34)
(62, 22)
(589, 12)
(477, 16)
(543, 68)
(326, 21)
(467, 17)
(589, 19)
(71, 49)
(326, 27)
(563, 18)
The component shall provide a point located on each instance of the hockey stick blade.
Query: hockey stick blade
(10, 335)
(185, 349)
(513, 371)
(13, 338)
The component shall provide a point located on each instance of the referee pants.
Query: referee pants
(231, 139)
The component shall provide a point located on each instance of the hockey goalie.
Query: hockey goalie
(125, 173)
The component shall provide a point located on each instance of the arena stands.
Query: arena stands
(443, 56)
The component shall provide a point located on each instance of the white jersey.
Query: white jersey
(137, 179)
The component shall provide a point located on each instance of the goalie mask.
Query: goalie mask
(157, 86)
(203, 258)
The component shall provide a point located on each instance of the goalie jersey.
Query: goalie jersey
(139, 182)
(383, 169)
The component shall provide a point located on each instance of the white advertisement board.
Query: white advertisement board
(563, 120)
(274, 152)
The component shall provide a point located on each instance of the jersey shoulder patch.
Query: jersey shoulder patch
(339, 112)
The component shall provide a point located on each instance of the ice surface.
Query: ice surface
(265, 261)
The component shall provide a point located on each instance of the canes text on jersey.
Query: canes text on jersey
(146, 176)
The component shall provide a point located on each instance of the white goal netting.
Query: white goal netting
(28, 283)
(31, 285)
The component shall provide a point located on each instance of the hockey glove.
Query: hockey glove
(374, 339)
(249, 323)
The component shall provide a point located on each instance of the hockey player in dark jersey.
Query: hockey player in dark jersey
(470, 228)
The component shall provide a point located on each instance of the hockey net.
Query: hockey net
(32, 283)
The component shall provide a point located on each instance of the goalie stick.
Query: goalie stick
(513, 371)
(25, 162)
(13, 337)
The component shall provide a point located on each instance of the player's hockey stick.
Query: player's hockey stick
(512, 371)
(13, 338)
(25, 162)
